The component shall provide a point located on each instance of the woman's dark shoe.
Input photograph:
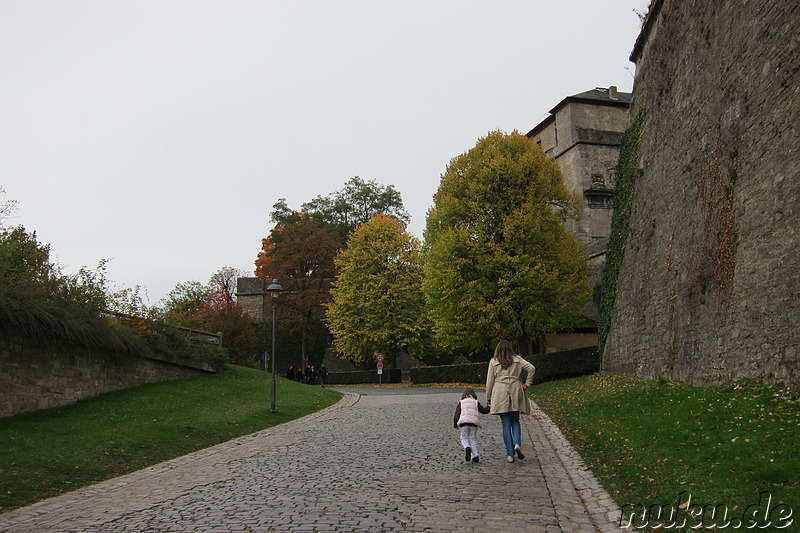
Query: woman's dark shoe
(468, 454)
(519, 452)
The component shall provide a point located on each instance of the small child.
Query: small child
(467, 419)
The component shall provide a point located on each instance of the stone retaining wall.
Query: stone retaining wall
(33, 377)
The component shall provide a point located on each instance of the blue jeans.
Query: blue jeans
(511, 430)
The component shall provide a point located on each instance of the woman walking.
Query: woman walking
(505, 394)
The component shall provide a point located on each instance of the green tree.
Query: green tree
(356, 203)
(238, 337)
(131, 301)
(185, 304)
(377, 302)
(499, 261)
(85, 292)
(7, 208)
(26, 272)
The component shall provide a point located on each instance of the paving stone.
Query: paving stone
(385, 461)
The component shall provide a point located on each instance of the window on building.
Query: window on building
(599, 194)
(598, 201)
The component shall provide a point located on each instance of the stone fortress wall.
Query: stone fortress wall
(709, 288)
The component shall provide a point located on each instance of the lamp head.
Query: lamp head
(274, 288)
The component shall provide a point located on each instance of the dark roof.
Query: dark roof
(597, 96)
(249, 286)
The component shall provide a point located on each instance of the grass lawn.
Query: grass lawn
(648, 441)
(48, 452)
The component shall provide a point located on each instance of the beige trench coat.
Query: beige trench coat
(504, 389)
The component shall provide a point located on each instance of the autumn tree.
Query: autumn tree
(377, 302)
(210, 308)
(499, 261)
(223, 282)
(312, 236)
(225, 317)
(300, 254)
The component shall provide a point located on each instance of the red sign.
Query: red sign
(380, 365)
(379, 357)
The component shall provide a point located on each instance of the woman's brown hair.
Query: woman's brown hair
(469, 393)
(504, 354)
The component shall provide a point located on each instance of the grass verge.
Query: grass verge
(48, 452)
(650, 441)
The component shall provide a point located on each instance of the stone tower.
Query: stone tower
(250, 297)
(583, 134)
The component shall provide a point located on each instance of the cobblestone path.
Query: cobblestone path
(382, 460)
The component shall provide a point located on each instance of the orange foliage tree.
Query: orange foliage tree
(300, 254)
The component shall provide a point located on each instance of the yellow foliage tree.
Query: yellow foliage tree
(377, 301)
(499, 261)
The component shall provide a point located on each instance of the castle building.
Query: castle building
(583, 134)
(250, 297)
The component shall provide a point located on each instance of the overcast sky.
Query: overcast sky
(158, 134)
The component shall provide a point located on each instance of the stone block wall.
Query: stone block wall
(33, 377)
(580, 165)
(583, 135)
(709, 288)
(250, 297)
(576, 122)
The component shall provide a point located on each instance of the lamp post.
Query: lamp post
(274, 289)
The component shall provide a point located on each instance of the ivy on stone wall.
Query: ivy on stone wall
(627, 171)
(714, 261)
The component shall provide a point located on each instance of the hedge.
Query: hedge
(391, 375)
(569, 363)
(548, 366)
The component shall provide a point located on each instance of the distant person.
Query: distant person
(290, 374)
(505, 394)
(468, 420)
(323, 373)
(311, 375)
